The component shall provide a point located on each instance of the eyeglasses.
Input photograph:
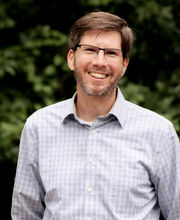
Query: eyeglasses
(109, 53)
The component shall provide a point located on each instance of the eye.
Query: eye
(90, 49)
(111, 53)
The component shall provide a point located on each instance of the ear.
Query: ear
(70, 59)
(125, 65)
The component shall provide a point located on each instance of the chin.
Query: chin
(98, 92)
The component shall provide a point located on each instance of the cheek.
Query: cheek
(81, 64)
(117, 69)
(121, 68)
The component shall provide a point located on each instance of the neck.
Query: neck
(90, 107)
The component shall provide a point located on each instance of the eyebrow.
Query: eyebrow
(100, 48)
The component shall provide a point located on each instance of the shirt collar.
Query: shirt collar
(118, 109)
(69, 111)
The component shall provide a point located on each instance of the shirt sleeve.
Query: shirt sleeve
(28, 193)
(168, 176)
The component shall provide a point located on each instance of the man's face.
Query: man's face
(97, 74)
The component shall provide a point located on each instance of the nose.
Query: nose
(100, 59)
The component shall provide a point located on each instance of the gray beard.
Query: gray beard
(107, 91)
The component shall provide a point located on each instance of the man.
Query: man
(97, 156)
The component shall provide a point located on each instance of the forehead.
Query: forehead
(100, 38)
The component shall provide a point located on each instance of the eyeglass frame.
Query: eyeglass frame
(97, 49)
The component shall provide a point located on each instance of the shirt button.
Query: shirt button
(93, 131)
(89, 190)
(90, 160)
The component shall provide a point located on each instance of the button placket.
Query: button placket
(90, 182)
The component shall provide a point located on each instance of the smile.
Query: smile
(98, 75)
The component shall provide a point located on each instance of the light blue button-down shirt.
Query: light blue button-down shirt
(125, 166)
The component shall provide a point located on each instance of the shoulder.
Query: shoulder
(151, 128)
(144, 113)
(148, 120)
(52, 112)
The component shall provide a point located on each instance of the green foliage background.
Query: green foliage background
(34, 73)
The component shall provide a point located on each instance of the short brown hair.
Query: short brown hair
(102, 21)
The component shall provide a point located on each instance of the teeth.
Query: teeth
(98, 75)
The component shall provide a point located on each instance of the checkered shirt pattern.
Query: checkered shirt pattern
(123, 166)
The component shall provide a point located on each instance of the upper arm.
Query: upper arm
(168, 176)
(27, 201)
